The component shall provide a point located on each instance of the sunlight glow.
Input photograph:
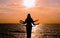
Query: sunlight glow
(34, 28)
(29, 3)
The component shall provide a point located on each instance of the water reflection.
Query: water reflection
(38, 31)
(34, 28)
(46, 31)
(34, 31)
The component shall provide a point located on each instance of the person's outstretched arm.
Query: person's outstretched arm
(21, 21)
(25, 21)
(35, 20)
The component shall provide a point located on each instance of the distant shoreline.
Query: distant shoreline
(9, 23)
(19, 23)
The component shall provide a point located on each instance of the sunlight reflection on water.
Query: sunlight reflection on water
(34, 28)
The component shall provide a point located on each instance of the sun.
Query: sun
(29, 3)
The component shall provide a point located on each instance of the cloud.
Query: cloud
(51, 2)
(10, 10)
(9, 6)
(9, 2)
(3, 1)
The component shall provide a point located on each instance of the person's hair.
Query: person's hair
(28, 16)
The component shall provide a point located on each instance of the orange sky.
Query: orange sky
(11, 11)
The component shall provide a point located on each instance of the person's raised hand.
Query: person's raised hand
(21, 21)
(36, 20)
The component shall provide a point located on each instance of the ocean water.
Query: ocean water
(38, 31)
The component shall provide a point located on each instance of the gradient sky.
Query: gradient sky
(47, 11)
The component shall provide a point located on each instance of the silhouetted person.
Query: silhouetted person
(29, 21)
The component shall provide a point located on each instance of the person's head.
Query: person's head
(28, 16)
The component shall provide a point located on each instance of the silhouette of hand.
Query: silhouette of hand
(21, 21)
(36, 20)
(36, 24)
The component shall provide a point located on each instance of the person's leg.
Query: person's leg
(28, 32)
